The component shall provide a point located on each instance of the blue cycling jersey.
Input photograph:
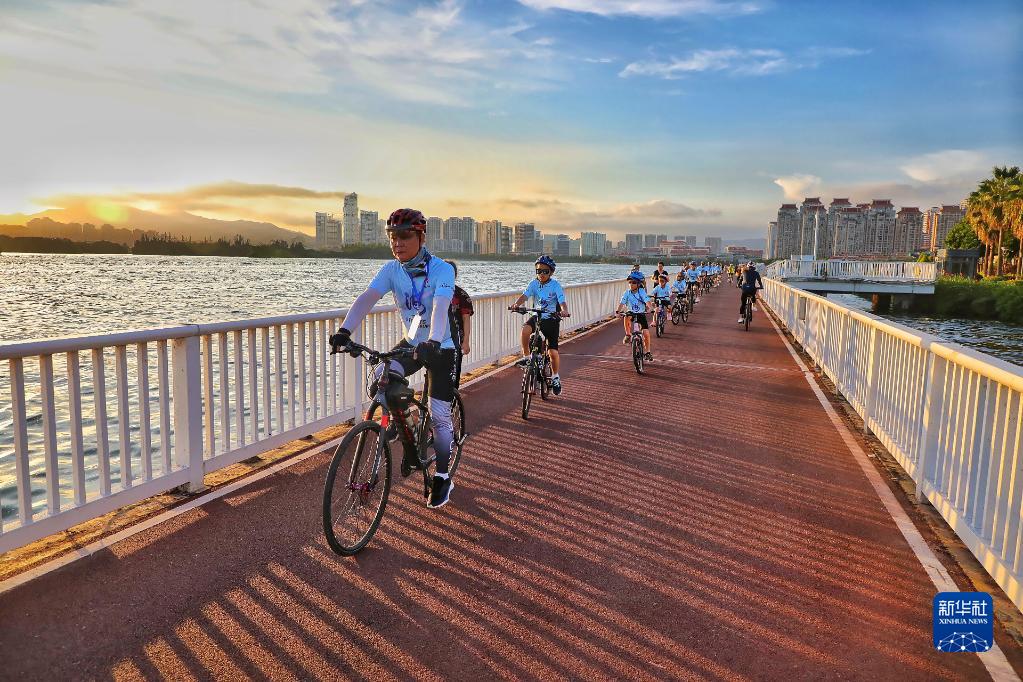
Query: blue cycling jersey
(414, 296)
(663, 292)
(679, 286)
(546, 296)
(635, 301)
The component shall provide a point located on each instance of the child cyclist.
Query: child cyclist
(661, 294)
(548, 295)
(678, 287)
(636, 300)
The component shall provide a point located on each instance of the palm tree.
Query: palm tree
(990, 207)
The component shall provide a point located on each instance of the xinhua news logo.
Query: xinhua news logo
(963, 621)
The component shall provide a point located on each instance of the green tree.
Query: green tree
(962, 236)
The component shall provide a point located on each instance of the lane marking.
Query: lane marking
(994, 659)
(110, 540)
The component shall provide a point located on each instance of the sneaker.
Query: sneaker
(556, 386)
(741, 320)
(441, 493)
(410, 462)
(649, 357)
(625, 341)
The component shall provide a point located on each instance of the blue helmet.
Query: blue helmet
(546, 260)
(636, 277)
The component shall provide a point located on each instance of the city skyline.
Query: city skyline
(618, 117)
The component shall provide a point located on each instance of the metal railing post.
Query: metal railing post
(872, 379)
(927, 442)
(188, 410)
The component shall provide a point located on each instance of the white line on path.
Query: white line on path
(670, 361)
(994, 659)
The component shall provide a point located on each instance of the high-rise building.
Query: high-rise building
(772, 240)
(948, 216)
(714, 243)
(505, 240)
(593, 243)
(633, 243)
(880, 226)
(462, 229)
(835, 209)
(525, 239)
(909, 222)
(662, 238)
(608, 247)
(328, 231)
(678, 238)
(576, 248)
(813, 228)
(435, 227)
(649, 240)
(368, 221)
(488, 236)
(561, 245)
(690, 239)
(788, 231)
(850, 229)
(351, 228)
(382, 231)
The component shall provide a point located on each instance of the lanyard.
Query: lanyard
(636, 298)
(417, 296)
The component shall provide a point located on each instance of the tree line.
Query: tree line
(994, 216)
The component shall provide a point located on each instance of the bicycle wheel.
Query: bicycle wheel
(748, 315)
(676, 314)
(355, 492)
(527, 391)
(685, 313)
(660, 324)
(543, 379)
(458, 428)
(637, 354)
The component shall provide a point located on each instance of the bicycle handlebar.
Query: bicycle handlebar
(373, 356)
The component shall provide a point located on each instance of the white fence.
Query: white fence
(873, 271)
(951, 416)
(100, 422)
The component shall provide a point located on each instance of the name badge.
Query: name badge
(413, 326)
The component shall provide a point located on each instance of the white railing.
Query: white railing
(952, 417)
(873, 271)
(100, 422)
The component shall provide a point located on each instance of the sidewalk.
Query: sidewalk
(704, 520)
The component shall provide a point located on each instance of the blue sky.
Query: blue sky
(685, 116)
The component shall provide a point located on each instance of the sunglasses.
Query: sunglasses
(543, 272)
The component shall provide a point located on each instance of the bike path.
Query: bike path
(702, 521)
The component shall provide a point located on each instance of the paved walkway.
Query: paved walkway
(703, 521)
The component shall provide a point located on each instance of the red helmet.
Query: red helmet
(407, 219)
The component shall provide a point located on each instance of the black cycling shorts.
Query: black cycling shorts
(441, 370)
(550, 327)
(641, 318)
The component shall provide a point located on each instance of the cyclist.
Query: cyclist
(678, 287)
(635, 269)
(738, 275)
(422, 286)
(637, 301)
(692, 275)
(661, 294)
(750, 283)
(547, 294)
(460, 319)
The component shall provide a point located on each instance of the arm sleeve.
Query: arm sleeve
(439, 319)
(360, 308)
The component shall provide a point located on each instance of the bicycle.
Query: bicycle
(661, 315)
(638, 354)
(747, 312)
(365, 452)
(679, 311)
(537, 370)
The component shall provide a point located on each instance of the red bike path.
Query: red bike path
(705, 520)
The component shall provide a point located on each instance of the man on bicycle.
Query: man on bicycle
(636, 301)
(661, 294)
(678, 288)
(422, 286)
(750, 283)
(547, 294)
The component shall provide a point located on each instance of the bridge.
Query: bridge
(856, 277)
(715, 518)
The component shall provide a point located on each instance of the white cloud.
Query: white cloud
(742, 62)
(949, 164)
(797, 186)
(657, 9)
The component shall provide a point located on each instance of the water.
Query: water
(51, 295)
(995, 338)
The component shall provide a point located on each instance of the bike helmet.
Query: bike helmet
(636, 277)
(546, 260)
(407, 219)
(752, 265)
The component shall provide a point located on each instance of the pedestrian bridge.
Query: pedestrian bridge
(855, 277)
(713, 518)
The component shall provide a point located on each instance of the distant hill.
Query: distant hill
(52, 223)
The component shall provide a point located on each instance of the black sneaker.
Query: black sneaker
(410, 462)
(649, 357)
(556, 385)
(441, 493)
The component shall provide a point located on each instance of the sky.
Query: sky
(668, 116)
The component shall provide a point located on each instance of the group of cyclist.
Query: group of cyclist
(436, 316)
